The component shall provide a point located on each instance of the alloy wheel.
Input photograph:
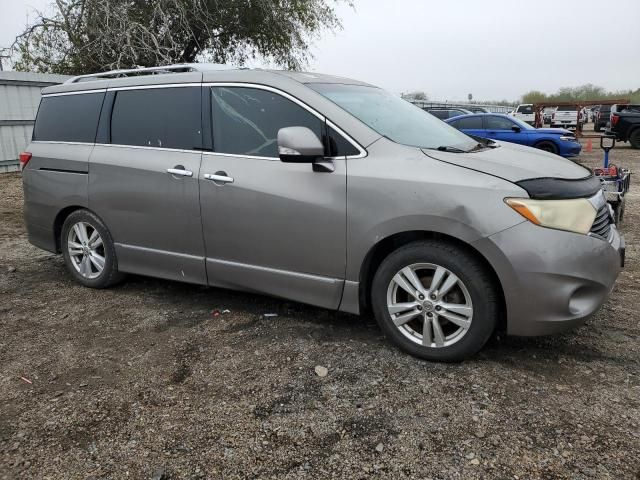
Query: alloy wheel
(429, 305)
(86, 250)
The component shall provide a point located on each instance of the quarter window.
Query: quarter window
(339, 146)
(246, 120)
(68, 118)
(157, 117)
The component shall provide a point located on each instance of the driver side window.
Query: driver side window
(498, 123)
(246, 121)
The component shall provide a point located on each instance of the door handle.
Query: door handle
(180, 171)
(218, 177)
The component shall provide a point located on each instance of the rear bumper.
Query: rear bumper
(553, 280)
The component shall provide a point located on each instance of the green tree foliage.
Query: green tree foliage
(583, 93)
(84, 36)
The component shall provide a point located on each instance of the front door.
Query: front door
(501, 128)
(144, 181)
(272, 227)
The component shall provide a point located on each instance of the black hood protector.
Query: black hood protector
(560, 188)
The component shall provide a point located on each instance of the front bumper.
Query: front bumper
(570, 149)
(552, 280)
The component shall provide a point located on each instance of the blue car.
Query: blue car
(509, 129)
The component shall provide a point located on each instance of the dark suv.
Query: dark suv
(601, 118)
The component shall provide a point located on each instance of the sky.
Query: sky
(493, 49)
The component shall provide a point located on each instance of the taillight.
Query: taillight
(614, 120)
(24, 159)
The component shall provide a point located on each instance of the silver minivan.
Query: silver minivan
(321, 190)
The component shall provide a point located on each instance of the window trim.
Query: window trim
(362, 151)
(80, 92)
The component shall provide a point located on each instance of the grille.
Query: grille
(602, 224)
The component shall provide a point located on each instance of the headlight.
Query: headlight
(569, 139)
(575, 215)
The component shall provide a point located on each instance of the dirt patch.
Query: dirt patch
(144, 377)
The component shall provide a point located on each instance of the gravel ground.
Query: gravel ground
(145, 381)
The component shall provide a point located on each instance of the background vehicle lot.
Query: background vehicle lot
(144, 376)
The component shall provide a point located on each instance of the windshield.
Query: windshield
(394, 118)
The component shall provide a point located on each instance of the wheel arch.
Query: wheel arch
(634, 129)
(59, 222)
(378, 252)
(551, 140)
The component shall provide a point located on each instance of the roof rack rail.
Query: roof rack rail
(177, 68)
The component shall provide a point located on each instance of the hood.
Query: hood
(514, 163)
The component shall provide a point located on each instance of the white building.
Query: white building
(19, 99)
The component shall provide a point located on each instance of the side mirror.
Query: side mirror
(516, 128)
(299, 145)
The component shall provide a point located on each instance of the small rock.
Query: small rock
(321, 371)
(11, 269)
(470, 456)
(480, 434)
(159, 474)
(475, 461)
(379, 448)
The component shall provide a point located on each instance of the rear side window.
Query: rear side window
(68, 118)
(470, 123)
(158, 117)
(246, 120)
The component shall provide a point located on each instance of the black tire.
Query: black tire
(109, 275)
(596, 127)
(617, 213)
(547, 146)
(473, 275)
(634, 138)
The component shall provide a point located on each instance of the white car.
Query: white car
(525, 113)
(566, 116)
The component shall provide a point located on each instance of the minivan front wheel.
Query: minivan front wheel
(435, 301)
(88, 250)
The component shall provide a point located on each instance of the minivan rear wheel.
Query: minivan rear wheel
(88, 250)
(435, 301)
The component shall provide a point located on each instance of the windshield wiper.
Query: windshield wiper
(450, 149)
(479, 146)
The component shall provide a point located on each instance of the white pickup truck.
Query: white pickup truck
(566, 116)
(525, 113)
